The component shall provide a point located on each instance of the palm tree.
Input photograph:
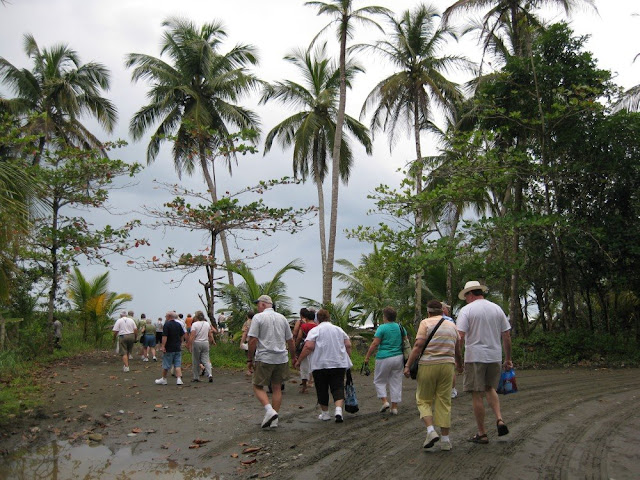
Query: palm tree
(345, 16)
(240, 298)
(94, 302)
(410, 95)
(311, 130)
(194, 98)
(53, 96)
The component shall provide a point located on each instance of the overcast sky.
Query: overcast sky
(106, 31)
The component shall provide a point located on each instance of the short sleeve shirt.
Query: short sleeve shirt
(482, 322)
(442, 347)
(272, 331)
(201, 328)
(173, 331)
(149, 329)
(390, 336)
(329, 351)
(125, 326)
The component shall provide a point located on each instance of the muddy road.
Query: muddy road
(99, 422)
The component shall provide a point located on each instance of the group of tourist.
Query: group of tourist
(482, 328)
(170, 335)
(321, 352)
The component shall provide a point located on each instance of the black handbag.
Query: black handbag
(413, 369)
(350, 399)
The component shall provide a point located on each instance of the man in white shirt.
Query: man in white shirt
(481, 325)
(269, 339)
(125, 330)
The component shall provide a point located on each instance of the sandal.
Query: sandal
(502, 428)
(479, 439)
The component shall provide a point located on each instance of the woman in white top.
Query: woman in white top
(199, 340)
(329, 348)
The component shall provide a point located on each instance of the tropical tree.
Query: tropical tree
(193, 98)
(509, 28)
(409, 96)
(241, 298)
(311, 130)
(344, 16)
(94, 302)
(53, 96)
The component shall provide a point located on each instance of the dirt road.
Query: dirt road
(569, 423)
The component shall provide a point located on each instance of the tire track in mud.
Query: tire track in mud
(393, 447)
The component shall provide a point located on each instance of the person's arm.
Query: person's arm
(506, 344)
(291, 346)
(253, 344)
(458, 356)
(296, 328)
(243, 339)
(210, 335)
(372, 348)
(191, 339)
(309, 346)
(298, 337)
(347, 345)
(415, 353)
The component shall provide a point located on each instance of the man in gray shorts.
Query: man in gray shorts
(481, 325)
(269, 339)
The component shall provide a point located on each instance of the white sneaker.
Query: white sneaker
(454, 393)
(445, 445)
(324, 416)
(155, 359)
(384, 407)
(394, 411)
(130, 357)
(432, 438)
(179, 381)
(125, 369)
(145, 359)
(274, 423)
(161, 381)
(269, 417)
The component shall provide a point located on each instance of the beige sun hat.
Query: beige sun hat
(472, 285)
(265, 299)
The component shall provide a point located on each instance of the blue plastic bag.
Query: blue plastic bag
(350, 399)
(507, 382)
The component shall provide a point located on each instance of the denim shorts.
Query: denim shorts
(149, 340)
(171, 359)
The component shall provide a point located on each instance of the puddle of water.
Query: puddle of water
(61, 461)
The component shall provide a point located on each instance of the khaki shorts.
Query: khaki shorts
(264, 374)
(479, 376)
(126, 343)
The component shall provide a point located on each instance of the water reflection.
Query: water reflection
(62, 461)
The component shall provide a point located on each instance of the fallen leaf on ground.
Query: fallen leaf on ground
(249, 462)
(82, 406)
(194, 446)
(136, 430)
(200, 441)
(243, 444)
(159, 405)
(234, 455)
(164, 446)
(265, 475)
(252, 449)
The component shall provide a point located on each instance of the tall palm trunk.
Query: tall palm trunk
(210, 178)
(417, 310)
(327, 281)
(321, 222)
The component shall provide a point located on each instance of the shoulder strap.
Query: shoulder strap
(430, 337)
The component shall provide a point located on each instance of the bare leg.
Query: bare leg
(261, 395)
(276, 396)
(178, 372)
(125, 359)
(478, 411)
(494, 402)
(394, 405)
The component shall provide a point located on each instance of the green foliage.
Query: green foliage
(576, 347)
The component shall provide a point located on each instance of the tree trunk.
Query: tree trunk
(417, 310)
(327, 280)
(321, 223)
(211, 183)
(514, 295)
(55, 272)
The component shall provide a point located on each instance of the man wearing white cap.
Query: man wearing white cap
(269, 339)
(481, 325)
